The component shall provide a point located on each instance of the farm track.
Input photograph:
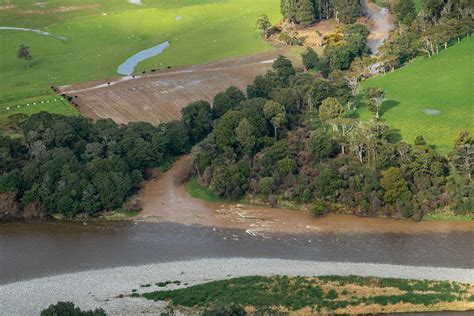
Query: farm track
(159, 96)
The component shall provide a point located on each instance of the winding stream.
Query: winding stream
(39, 32)
(128, 66)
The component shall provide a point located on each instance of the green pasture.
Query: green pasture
(200, 192)
(443, 83)
(385, 3)
(100, 35)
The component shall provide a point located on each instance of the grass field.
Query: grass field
(200, 192)
(100, 35)
(325, 295)
(443, 83)
(384, 3)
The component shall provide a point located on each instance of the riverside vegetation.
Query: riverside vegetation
(281, 295)
(69, 165)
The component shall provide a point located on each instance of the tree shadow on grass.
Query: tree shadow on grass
(395, 136)
(388, 105)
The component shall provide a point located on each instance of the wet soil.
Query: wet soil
(166, 199)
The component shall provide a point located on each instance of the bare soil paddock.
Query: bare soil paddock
(157, 97)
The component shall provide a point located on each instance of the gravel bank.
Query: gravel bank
(91, 289)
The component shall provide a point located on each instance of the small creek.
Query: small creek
(39, 32)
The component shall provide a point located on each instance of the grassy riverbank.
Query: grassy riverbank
(117, 215)
(200, 192)
(326, 294)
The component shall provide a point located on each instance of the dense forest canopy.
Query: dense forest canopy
(306, 12)
(294, 141)
(71, 165)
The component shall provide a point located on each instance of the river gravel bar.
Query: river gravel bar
(101, 288)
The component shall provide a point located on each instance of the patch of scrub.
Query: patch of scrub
(432, 112)
(128, 66)
(178, 18)
(135, 2)
(23, 29)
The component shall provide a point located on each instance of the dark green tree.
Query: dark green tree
(24, 53)
(346, 11)
(198, 118)
(394, 185)
(288, 9)
(283, 68)
(68, 309)
(305, 14)
(263, 24)
(310, 59)
(405, 11)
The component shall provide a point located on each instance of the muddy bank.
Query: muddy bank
(166, 199)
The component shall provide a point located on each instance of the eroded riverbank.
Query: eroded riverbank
(166, 199)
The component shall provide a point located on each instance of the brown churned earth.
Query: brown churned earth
(165, 199)
(159, 96)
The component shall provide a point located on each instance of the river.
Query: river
(381, 23)
(35, 250)
(173, 226)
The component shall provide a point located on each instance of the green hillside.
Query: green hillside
(433, 97)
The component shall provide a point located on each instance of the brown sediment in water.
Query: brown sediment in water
(165, 200)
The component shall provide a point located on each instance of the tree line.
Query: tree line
(307, 12)
(435, 27)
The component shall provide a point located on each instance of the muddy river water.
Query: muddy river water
(33, 250)
(174, 226)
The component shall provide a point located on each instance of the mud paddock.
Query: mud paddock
(157, 97)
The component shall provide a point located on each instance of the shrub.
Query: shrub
(225, 310)
(68, 309)
(318, 208)
(332, 294)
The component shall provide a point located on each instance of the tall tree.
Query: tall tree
(346, 11)
(288, 9)
(331, 109)
(263, 24)
(393, 185)
(276, 114)
(405, 11)
(284, 68)
(375, 96)
(245, 135)
(310, 59)
(198, 118)
(305, 14)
